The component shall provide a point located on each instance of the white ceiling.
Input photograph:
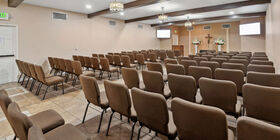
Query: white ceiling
(153, 9)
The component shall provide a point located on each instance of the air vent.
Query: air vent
(140, 26)
(112, 23)
(190, 28)
(226, 26)
(207, 27)
(59, 16)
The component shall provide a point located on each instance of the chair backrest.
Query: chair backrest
(118, 97)
(223, 56)
(198, 59)
(212, 65)
(18, 62)
(51, 62)
(180, 58)
(104, 63)
(236, 76)
(182, 86)
(19, 120)
(191, 56)
(240, 57)
(87, 62)
(198, 72)
(40, 73)
(95, 63)
(110, 58)
(101, 55)
(117, 60)
(56, 63)
(235, 66)
(208, 56)
(177, 53)
(219, 93)
(241, 61)
(32, 71)
(140, 59)
(153, 57)
(162, 55)
(68, 64)
(91, 89)
(219, 60)
(262, 102)
(126, 61)
(264, 79)
(261, 62)
(187, 63)
(170, 61)
(75, 57)
(130, 77)
(151, 110)
(35, 133)
(198, 122)
(155, 67)
(146, 56)
(26, 67)
(253, 129)
(82, 60)
(175, 68)
(170, 54)
(94, 55)
(261, 68)
(260, 58)
(77, 67)
(153, 81)
(62, 65)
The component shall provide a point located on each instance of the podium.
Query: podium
(178, 48)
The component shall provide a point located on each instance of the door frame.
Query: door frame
(16, 45)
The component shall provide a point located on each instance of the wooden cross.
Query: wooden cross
(209, 38)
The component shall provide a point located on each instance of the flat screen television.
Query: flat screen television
(250, 29)
(163, 33)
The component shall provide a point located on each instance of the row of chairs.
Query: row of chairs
(36, 73)
(151, 111)
(43, 125)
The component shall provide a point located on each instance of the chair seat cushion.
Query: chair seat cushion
(88, 73)
(230, 135)
(66, 132)
(47, 120)
(114, 69)
(54, 80)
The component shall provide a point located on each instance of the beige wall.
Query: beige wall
(273, 33)
(40, 36)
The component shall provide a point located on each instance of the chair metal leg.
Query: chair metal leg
(121, 116)
(139, 132)
(36, 93)
(15, 137)
(85, 112)
(62, 87)
(51, 71)
(32, 85)
(19, 77)
(27, 82)
(45, 92)
(107, 132)
(100, 121)
(23, 79)
(132, 131)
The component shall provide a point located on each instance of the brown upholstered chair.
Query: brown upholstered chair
(116, 94)
(126, 62)
(191, 56)
(221, 94)
(51, 62)
(180, 58)
(156, 67)
(240, 57)
(262, 102)
(146, 56)
(82, 60)
(198, 72)
(261, 68)
(33, 75)
(87, 62)
(110, 58)
(101, 56)
(20, 69)
(183, 86)
(253, 129)
(153, 81)
(259, 58)
(175, 68)
(223, 56)
(46, 120)
(56, 65)
(27, 72)
(199, 122)
(187, 63)
(208, 56)
(95, 55)
(95, 63)
(162, 55)
(177, 53)
(117, 61)
(261, 62)
(79, 71)
(105, 67)
(236, 76)
(62, 65)
(130, 77)
(21, 65)
(48, 81)
(170, 61)
(69, 68)
(264, 79)
(236, 66)
(141, 61)
(212, 65)
(66, 132)
(219, 60)
(93, 95)
(153, 57)
(75, 58)
(245, 62)
(170, 54)
(198, 59)
(152, 112)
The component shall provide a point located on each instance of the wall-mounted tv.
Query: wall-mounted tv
(163, 33)
(250, 29)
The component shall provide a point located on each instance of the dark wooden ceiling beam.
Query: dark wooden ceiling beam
(14, 3)
(134, 4)
(214, 18)
(204, 9)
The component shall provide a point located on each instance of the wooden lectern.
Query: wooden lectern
(178, 48)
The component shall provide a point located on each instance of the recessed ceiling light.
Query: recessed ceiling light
(88, 6)
(121, 13)
(231, 13)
